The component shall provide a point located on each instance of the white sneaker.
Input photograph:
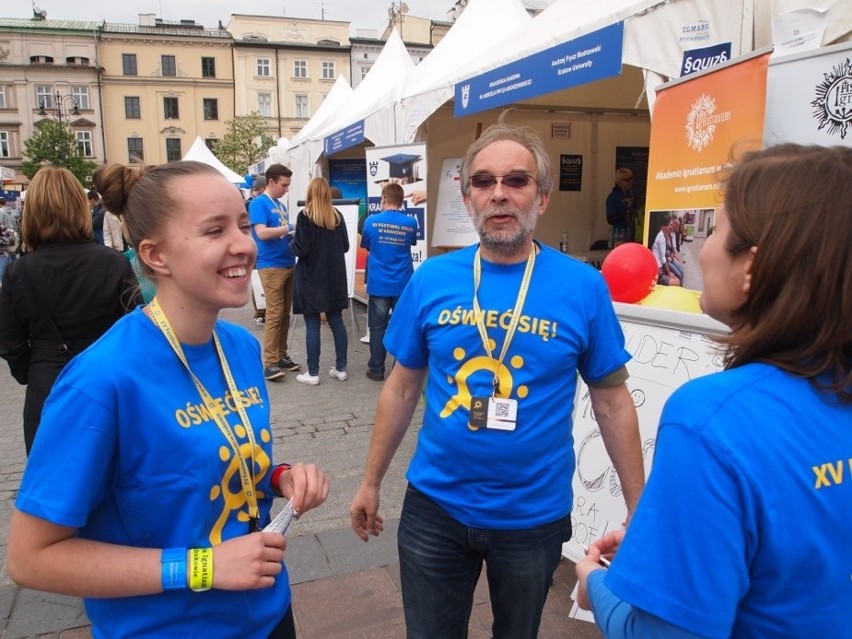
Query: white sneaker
(341, 375)
(366, 338)
(307, 378)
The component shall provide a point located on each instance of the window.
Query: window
(365, 71)
(170, 109)
(84, 143)
(128, 63)
(135, 150)
(167, 62)
(211, 109)
(263, 67)
(328, 71)
(77, 61)
(44, 96)
(210, 143)
(41, 59)
(264, 104)
(81, 97)
(173, 150)
(302, 106)
(208, 67)
(2, 97)
(4, 145)
(132, 109)
(300, 68)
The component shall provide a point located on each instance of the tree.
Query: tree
(245, 143)
(54, 143)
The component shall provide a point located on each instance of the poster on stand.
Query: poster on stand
(699, 124)
(453, 226)
(404, 164)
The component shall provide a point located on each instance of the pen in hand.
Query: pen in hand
(603, 560)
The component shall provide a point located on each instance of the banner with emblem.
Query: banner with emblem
(809, 97)
(406, 165)
(698, 123)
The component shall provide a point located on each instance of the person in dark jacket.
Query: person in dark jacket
(63, 294)
(98, 214)
(321, 242)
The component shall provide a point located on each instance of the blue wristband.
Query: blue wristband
(174, 569)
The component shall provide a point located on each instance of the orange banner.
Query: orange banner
(696, 125)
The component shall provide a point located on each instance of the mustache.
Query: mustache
(494, 211)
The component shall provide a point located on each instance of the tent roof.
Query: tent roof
(200, 153)
(379, 88)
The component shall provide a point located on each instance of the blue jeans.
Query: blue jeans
(378, 312)
(312, 340)
(440, 560)
(5, 260)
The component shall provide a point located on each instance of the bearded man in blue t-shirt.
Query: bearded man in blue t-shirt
(501, 329)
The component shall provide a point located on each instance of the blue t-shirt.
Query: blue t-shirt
(389, 236)
(492, 478)
(141, 464)
(274, 253)
(744, 527)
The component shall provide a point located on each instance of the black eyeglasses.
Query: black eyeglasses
(510, 180)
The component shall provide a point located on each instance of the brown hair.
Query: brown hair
(318, 206)
(277, 171)
(142, 197)
(393, 193)
(56, 210)
(523, 135)
(793, 203)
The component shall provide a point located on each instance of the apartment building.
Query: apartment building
(164, 83)
(48, 69)
(284, 67)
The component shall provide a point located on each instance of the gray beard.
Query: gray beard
(499, 243)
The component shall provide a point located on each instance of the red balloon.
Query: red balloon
(630, 271)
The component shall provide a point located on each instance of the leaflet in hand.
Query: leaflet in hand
(283, 520)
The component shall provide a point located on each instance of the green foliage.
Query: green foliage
(245, 143)
(53, 143)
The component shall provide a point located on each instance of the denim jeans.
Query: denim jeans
(378, 312)
(441, 560)
(5, 260)
(312, 340)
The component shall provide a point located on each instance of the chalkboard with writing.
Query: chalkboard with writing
(668, 349)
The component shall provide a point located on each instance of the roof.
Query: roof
(30, 24)
(188, 30)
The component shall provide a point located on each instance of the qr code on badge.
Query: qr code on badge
(501, 409)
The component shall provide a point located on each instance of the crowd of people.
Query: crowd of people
(161, 528)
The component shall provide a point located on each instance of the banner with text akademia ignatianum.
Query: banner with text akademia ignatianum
(696, 124)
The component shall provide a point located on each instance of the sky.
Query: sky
(362, 14)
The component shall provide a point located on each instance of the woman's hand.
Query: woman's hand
(248, 562)
(306, 484)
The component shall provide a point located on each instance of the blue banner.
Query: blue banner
(701, 59)
(343, 139)
(589, 58)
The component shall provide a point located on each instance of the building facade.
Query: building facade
(164, 84)
(48, 69)
(284, 67)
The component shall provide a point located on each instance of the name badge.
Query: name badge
(493, 412)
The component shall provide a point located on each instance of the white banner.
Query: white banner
(453, 226)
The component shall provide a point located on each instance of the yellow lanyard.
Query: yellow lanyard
(246, 478)
(516, 313)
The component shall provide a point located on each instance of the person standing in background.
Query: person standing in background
(321, 242)
(98, 212)
(61, 295)
(113, 237)
(270, 228)
(744, 527)
(621, 208)
(258, 185)
(388, 236)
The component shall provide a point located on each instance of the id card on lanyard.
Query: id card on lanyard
(495, 411)
(246, 475)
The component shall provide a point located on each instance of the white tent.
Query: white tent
(200, 153)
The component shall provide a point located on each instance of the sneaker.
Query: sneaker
(288, 364)
(366, 338)
(376, 377)
(341, 375)
(273, 373)
(307, 378)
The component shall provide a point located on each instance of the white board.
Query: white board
(668, 349)
(453, 226)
